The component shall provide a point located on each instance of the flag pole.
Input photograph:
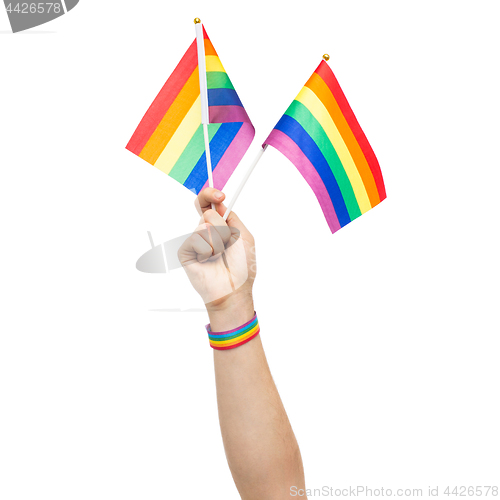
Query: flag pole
(244, 181)
(205, 120)
(326, 57)
(202, 70)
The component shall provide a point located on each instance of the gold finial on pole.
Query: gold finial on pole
(197, 20)
(326, 57)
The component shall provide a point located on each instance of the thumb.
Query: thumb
(234, 221)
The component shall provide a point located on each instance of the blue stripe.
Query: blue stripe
(293, 129)
(223, 97)
(218, 145)
(237, 333)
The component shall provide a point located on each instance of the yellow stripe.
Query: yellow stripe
(237, 340)
(213, 64)
(180, 139)
(310, 100)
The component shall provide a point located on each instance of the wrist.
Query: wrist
(236, 337)
(235, 310)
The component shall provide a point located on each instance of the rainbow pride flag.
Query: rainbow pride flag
(320, 135)
(170, 135)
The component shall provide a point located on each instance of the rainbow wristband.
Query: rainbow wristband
(234, 338)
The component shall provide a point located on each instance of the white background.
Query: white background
(383, 338)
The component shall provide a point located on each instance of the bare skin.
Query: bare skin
(261, 449)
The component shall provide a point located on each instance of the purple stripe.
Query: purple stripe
(227, 114)
(233, 155)
(287, 146)
(209, 330)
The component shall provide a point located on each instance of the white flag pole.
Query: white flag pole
(244, 181)
(202, 69)
(326, 57)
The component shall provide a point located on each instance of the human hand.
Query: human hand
(219, 259)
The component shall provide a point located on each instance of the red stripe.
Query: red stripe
(324, 71)
(164, 100)
(212, 50)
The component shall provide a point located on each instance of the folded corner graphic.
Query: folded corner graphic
(23, 16)
(153, 261)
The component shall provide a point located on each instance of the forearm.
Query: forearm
(261, 449)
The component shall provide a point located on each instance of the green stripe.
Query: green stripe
(236, 334)
(232, 337)
(218, 80)
(192, 153)
(312, 126)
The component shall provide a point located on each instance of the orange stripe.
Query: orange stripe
(209, 48)
(172, 119)
(236, 340)
(320, 88)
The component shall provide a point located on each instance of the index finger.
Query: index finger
(206, 197)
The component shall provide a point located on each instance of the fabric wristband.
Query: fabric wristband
(234, 338)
